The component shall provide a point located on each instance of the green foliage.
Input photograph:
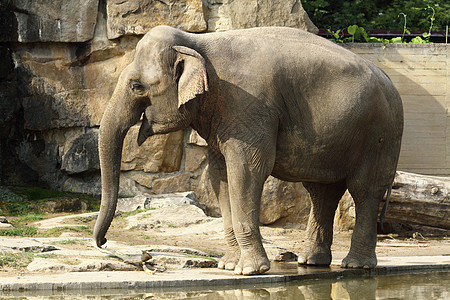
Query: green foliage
(17, 208)
(70, 242)
(405, 30)
(379, 14)
(418, 40)
(24, 231)
(36, 193)
(144, 236)
(84, 219)
(201, 257)
(31, 217)
(338, 13)
(56, 231)
(419, 13)
(337, 36)
(6, 195)
(21, 201)
(359, 34)
(16, 260)
(48, 255)
(316, 9)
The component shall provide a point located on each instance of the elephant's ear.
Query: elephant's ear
(190, 72)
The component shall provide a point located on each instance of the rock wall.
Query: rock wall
(59, 64)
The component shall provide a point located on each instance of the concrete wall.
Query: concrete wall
(421, 74)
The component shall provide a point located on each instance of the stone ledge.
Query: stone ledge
(395, 45)
(280, 273)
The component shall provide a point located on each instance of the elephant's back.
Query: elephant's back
(267, 51)
(271, 40)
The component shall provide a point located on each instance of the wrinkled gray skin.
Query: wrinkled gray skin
(274, 101)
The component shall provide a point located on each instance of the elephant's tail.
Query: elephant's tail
(385, 206)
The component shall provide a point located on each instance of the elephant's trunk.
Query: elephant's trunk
(121, 113)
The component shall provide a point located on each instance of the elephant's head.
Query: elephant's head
(162, 78)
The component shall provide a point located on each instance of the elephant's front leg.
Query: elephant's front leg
(217, 174)
(247, 171)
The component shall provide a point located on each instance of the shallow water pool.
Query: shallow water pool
(425, 285)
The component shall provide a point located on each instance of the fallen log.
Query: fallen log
(419, 199)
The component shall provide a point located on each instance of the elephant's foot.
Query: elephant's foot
(230, 260)
(252, 263)
(359, 261)
(319, 256)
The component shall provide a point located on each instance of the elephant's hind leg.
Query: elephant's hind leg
(324, 201)
(367, 186)
(364, 237)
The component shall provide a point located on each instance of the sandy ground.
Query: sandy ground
(207, 235)
(407, 242)
(295, 240)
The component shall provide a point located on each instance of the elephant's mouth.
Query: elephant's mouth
(145, 131)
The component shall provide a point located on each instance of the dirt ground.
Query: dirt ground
(407, 241)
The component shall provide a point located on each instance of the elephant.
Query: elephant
(268, 101)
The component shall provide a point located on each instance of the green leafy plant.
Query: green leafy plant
(336, 36)
(405, 30)
(427, 35)
(359, 34)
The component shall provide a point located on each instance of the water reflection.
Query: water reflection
(412, 286)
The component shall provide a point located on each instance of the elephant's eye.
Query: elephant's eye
(136, 86)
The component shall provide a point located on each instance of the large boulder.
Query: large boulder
(82, 155)
(50, 21)
(172, 183)
(139, 16)
(159, 153)
(51, 91)
(57, 88)
(229, 14)
(286, 201)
